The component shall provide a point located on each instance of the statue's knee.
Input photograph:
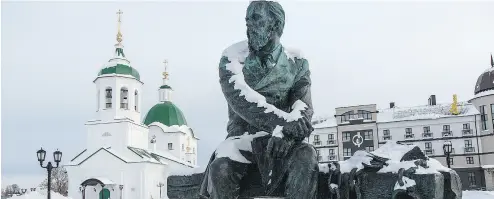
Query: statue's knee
(220, 168)
(307, 153)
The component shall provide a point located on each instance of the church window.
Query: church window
(170, 146)
(108, 97)
(183, 147)
(136, 100)
(124, 98)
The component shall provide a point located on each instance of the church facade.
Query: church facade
(124, 156)
(469, 126)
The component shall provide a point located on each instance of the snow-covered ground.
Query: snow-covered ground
(42, 195)
(478, 194)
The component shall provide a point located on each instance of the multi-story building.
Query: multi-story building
(467, 125)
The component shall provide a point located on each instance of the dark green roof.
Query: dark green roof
(165, 86)
(122, 66)
(120, 69)
(165, 113)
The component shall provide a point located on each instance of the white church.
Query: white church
(124, 156)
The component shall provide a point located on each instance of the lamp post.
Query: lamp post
(57, 156)
(120, 187)
(448, 148)
(160, 184)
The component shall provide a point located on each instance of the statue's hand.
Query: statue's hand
(279, 147)
(298, 129)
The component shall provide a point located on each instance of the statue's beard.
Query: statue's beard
(258, 39)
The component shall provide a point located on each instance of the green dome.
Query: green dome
(120, 69)
(165, 113)
(165, 86)
(119, 65)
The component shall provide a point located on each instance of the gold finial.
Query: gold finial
(454, 106)
(165, 74)
(188, 144)
(119, 34)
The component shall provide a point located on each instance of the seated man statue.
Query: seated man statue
(267, 88)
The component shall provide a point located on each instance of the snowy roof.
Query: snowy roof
(396, 114)
(162, 157)
(424, 112)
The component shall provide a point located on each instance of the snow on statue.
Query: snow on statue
(267, 88)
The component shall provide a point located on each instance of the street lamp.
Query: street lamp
(160, 185)
(120, 187)
(448, 148)
(57, 156)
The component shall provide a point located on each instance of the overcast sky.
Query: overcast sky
(359, 53)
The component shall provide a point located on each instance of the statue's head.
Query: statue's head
(265, 22)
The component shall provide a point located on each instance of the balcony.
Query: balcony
(447, 133)
(469, 149)
(467, 132)
(331, 157)
(387, 137)
(409, 136)
(331, 142)
(429, 151)
(427, 135)
(317, 143)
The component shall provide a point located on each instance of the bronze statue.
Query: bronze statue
(267, 88)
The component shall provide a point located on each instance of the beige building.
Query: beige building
(469, 126)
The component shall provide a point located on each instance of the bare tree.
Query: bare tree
(59, 181)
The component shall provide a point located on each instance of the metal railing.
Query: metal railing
(469, 149)
(447, 133)
(409, 136)
(427, 135)
(467, 131)
(387, 137)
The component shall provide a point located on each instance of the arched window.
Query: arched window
(136, 100)
(97, 100)
(124, 98)
(108, 97)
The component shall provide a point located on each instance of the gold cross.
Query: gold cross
(119, 13)
(165, 74)
(119, 34)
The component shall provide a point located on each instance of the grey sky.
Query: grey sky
(359, 53)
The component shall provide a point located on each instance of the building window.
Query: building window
(492, 114)
(451, 161)
(345, 117)
(108, 97)
(471, 178)
(386, 134)
(466, 126)
(483, 118)
(446, 130)
(346, 137)
(331, 139)
(368, 135)
(183, 147)
(470, 160)
(408, 133)
(428, 148)
(427, 132)
(366, 115)
(331, 155)
(124, 98)
(469, 146)
(170, 146)
(136, 100)
(347, 152)
(369, 148)
(316, 140)
(428, 145)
